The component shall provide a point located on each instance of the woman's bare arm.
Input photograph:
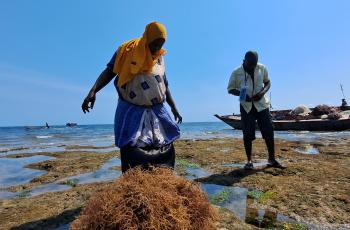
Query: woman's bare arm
(170, 101)
(105, 77)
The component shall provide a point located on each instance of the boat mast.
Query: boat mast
(344, 104)
(342, 90)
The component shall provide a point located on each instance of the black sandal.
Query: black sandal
(275, 164)
(249, 166)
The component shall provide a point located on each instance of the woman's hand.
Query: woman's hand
(177, 116)
(90, 98)
(105, 77)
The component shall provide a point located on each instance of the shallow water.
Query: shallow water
(259, 163)
(193, 173)
(63, 227)
(56, 149)
(7, 195)
(89, 149)
(307, 136)
(105, 173)
(307, 149)
(33, 150)
(97, 176)
(236, 200)
(38, 190)
(13, 172)
(232, 198)
(45, 188)
(102, 174)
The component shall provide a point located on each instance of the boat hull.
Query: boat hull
(297, 125)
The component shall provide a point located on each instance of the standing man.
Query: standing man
(250, 82)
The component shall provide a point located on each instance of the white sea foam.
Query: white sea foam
(43, 137)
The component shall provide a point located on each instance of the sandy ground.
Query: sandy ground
(313, 189)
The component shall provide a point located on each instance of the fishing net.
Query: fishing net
(155, 199)
(301, 110)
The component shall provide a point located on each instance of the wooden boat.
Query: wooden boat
(298, 125)
(71, 124)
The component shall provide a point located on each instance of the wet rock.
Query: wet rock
(46, 166)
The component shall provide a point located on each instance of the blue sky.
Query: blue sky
(51, 53)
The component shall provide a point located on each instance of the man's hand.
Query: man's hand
(258, 96)
(248, 99)
(234, 92)
(90, 98)
(177, 116)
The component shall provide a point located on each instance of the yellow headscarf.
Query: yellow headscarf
(134, 56)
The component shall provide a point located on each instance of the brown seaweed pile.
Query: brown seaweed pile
(154, 199)
(287, 115)
(324, 110)
(331, 112)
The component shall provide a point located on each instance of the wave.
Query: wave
(43, 136)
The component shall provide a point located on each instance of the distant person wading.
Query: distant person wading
(144, 130)
(250, 82)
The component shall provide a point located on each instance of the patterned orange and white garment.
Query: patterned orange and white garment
(146, 89)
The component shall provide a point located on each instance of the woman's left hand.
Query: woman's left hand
(177, 116)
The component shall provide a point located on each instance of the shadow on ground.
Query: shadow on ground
(232, 177)
(51, 222)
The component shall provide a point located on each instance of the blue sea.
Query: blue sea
(57, 138)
